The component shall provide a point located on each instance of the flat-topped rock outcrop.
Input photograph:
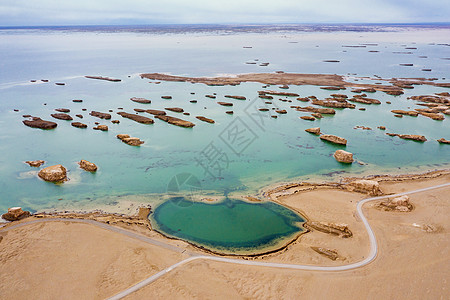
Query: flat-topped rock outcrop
(132, 141)
(155, 112)
(443, 141)
(235, 97)
(405, 112)
(414, 137)
(334, 104)
(175, 109)
(225, 103)
(103, 78)
(78, 125)
(136, 118)
(323, 111)
(333, 139)
(175, 121)
(36, 122)
(63, 110)
(101, 127)
(204, 119)
(62, 116)
(315, 130)
(100, 115)
(338, 229)
(364, 100)
(140, 100)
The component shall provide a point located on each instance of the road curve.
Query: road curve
(372, 240)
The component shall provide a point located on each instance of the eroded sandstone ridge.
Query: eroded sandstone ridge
(340, 230)
(370, 187)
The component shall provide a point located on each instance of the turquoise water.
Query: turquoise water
(229, 226)
(272, 151)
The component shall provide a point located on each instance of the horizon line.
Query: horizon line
(236, 24)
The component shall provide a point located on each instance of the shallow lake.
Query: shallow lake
(229, 226)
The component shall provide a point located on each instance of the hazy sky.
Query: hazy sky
(98, 12)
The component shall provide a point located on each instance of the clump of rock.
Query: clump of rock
(140, 100)
(35, 163)
(62, 116)
(132, 141)
(78, 125)
(331, 254)
(370, 187)
(315, 130)
(175, 121)
(400, 203)
(443, 141)
(39, 123)
(205, 119)
(343, 156)
(225, 103)
(175, 109)
(63, 110)
(156, 112)
(87, 166)
(338, 229)
(56, 173)
(137, 118)
(15, 214)
(414, 137)
(333, 139)
(101, 128)
(100, 115)
(235, 97)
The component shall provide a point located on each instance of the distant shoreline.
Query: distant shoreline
(238, 28)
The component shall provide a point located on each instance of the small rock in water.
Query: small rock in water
(87, 166)
(132, 141)
(35, 163)
(56, 173)
(315, 130)
(78, 125)
(343, 156)
(101, 127)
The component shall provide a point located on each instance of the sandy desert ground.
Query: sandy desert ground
(63, 260)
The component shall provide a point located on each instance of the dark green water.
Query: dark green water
(230, 226)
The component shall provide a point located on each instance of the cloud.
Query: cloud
(56, 12)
